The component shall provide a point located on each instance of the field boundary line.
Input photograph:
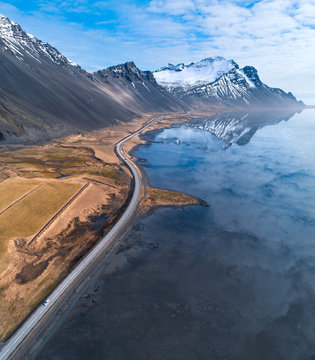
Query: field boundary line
(20, 198)
(1, 181)
(99, 182)
(51, 220)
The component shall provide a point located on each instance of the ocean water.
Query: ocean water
(234, 280)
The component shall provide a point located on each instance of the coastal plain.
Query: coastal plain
(57, 200)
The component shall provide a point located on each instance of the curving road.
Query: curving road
(16, 339)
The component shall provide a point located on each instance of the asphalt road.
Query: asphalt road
(16, 339)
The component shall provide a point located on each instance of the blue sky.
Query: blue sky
(275, 36)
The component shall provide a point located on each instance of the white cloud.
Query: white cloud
(275, 36)
(171, 7)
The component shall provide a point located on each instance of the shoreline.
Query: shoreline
(79, 272)
(156, 197)
(161, 123)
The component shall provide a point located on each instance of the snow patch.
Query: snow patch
(251, 84)
(186, 76)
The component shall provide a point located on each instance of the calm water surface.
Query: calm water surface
(235, 280)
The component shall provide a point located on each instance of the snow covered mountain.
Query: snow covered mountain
(44, 95)
(13, 39)
(218, 81)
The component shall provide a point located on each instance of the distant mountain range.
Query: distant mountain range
(45, 95)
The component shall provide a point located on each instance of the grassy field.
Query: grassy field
(11, 190)
(31, 213)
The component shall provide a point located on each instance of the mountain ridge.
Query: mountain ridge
(231, 85)
(44, 95)
(18, 42)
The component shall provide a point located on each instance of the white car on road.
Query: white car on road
(46, 302)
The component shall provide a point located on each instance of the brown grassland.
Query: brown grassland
(31, 194)
(160, 197)
(12, 190)
(32, 212)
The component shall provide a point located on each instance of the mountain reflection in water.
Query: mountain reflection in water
(239, 127)
(231, 281)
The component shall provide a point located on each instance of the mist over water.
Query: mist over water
(235, 280)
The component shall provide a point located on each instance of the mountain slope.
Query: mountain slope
(144, 93)
(45, 95)
(226, 85)
(20, 44)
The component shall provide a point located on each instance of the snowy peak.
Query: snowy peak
(178, 67)
(199, 73)
(217, 81)
(15, 40)
(12, 36)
